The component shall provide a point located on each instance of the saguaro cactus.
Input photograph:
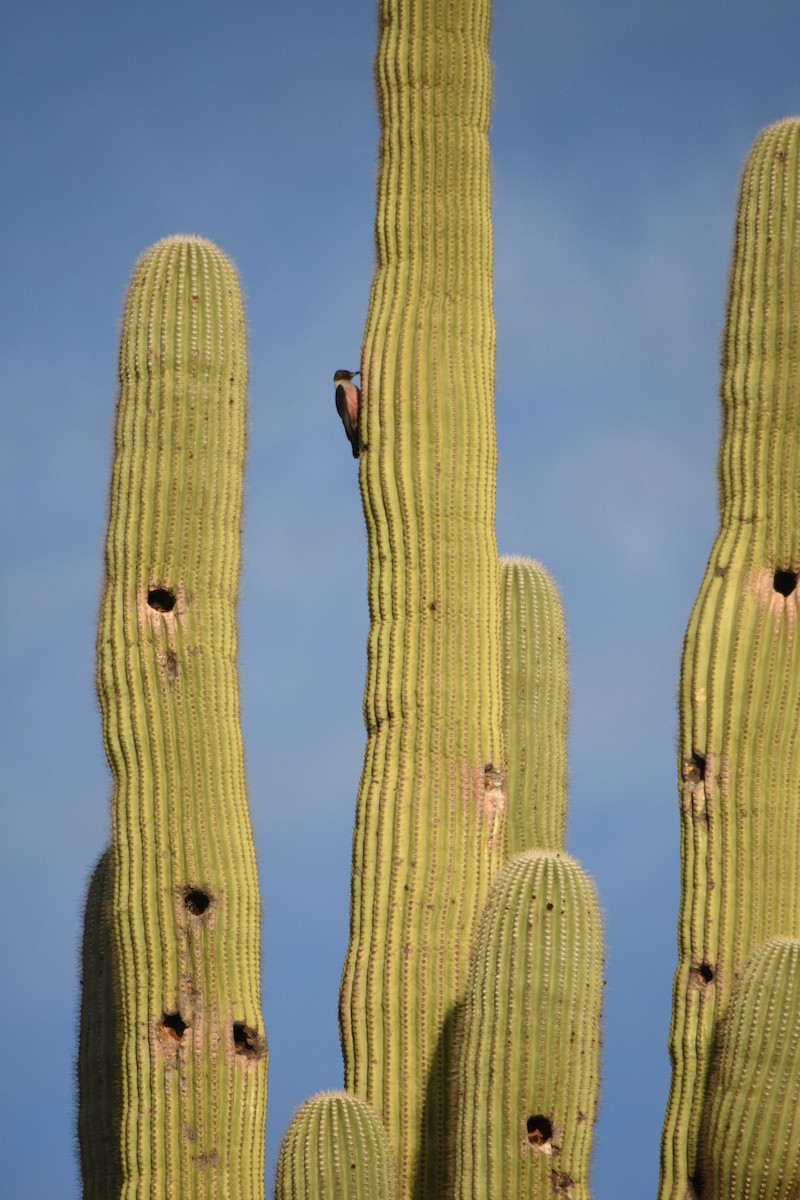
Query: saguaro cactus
(180, 882)
(525, 1090)
(740, 681)
(336, 1149)
(529, 1066)
(430, 812)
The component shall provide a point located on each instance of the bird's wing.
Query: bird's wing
(341, 407)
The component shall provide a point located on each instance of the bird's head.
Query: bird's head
(345, 376)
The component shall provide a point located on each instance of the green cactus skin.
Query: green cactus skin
(184, 895)
(529, 1059)
(535, 703)
(336, 1149)
(750, 1134)
(430, 814)
(740, 679)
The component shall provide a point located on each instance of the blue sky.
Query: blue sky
(618, 137)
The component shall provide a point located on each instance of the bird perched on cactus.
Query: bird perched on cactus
(348, 406)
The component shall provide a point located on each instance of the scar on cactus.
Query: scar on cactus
(785, 582)
(540, 1133)
(701, 976)
(173, 1027)
(196, 901)
(161, 600)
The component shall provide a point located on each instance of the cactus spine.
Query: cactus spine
(535, 700)
(430, 811)
(183, 890)
(336, 1149)
(740, 680)
(530, 1055)
(750, 1134)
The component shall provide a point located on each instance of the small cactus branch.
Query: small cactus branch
(430, 813)
(184, 902)
(336, 1149)
(750, 1134)
(740, 679)
(529, 1061)
(535, 701)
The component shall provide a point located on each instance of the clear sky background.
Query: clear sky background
(619, 133)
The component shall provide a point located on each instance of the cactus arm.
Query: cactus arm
(535, 703)
(429, 822)
(740, 679)
(529, 1061)
(184, 904)
(335, 1149)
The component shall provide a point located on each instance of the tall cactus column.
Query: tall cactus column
(740, 683)
(183, 890)
(430, 812)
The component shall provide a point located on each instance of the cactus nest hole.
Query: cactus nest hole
(785, 582)
(694, 769)
(705, 973)
(246, 1041)
(196, 901)
(161, 600)
(173, 1026)
(540, 1130)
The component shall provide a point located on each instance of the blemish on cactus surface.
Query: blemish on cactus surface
(493, 777)
(173, 1027)
(196, 901)
(562, 1183)
(494, 787)
(246, 1041)
(161, 600)
(492, 798)
(540, 1133)
(701, 976)
(171, 667)
(784, 582)
(694, 769)
(697, 1182)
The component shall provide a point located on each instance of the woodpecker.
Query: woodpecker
(348, 406)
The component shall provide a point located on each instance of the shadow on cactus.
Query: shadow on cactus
(99, 1066)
